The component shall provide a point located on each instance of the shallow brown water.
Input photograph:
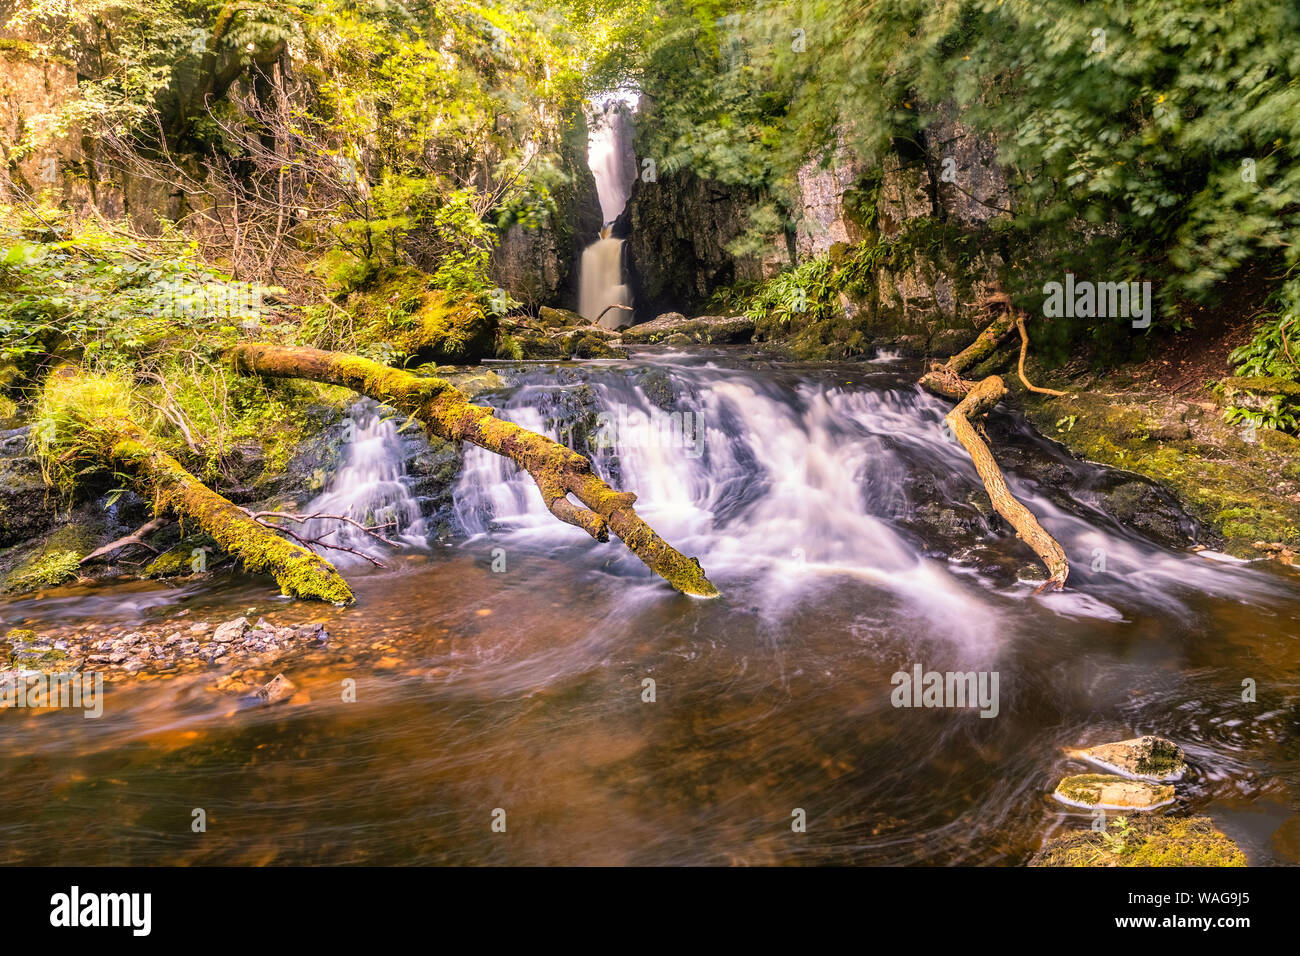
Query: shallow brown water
(522, 691)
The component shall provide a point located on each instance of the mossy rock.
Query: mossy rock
(56, 560)
(1228, 486)
(28, 507)
(588, 346)
(537, 347)
(658, 387)
(1145, 841)
(180, 559)
(1265, 386)
(558, 318)
(1108, 791)
(704, 329)
(1147, 756)
(48, 569)
(402, 309)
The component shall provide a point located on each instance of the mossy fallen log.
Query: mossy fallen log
(299, 572)
(945, 378)
(448, 413)
(85, 419)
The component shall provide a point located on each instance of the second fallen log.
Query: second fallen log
(981, 397)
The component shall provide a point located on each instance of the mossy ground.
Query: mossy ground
(1243, 485)
(1144, 841)
(399, 315)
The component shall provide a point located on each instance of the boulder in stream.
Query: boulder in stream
(1108, 791)
(275, 690)
(704, 329)
(232, 631)
(1154, 758)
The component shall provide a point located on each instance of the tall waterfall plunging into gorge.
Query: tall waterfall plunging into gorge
(610, 156)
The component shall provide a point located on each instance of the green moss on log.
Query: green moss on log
(559, 471)
(84, 422)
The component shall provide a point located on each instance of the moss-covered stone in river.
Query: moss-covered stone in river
(1111, 791)
(1146, 756)
(1146, 841)
(588, 346)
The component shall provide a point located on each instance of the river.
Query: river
(505, 669)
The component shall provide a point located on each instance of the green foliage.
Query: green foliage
(84, 292)
(1271, 352)
(1159, 134)
(1269, 358)
(533, 204)
(802, 294)
(467, 243)
(71, 421)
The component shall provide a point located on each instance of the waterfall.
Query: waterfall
(795, 479)
(613, 165)
(370, 487)
(610, 157)
(601, 283)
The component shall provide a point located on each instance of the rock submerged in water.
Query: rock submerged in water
(1107, 791)
(278, 688)
(1150, 757)
(1146, 841)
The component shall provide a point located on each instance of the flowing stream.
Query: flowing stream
(370, 489)
(506, 667)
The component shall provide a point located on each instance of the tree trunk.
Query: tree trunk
(298, 571)
(979, 400)
(447, 412)
(973, 401)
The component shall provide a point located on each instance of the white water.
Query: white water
(371, 487)
(613, 165)
(796, 485)
(601, 284)
(610, 157)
